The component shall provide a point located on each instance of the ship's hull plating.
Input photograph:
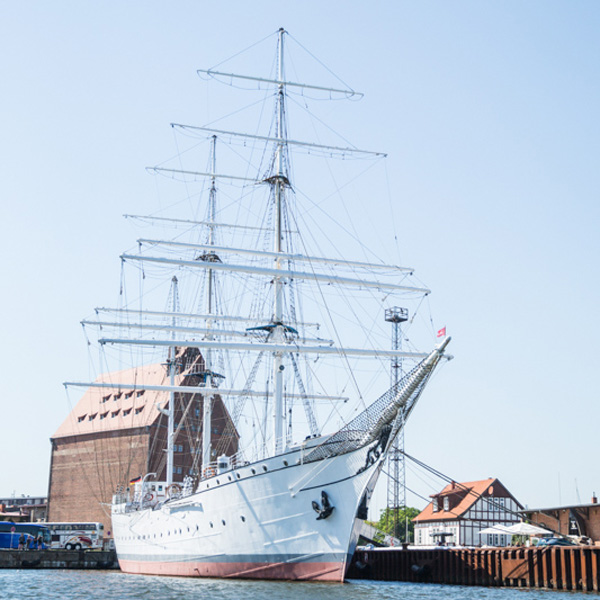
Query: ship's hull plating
(256, 521)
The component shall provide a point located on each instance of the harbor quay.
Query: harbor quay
(58, 559)
(573, 568)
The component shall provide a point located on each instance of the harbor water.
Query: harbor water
(99, 585)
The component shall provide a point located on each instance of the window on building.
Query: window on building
(128, 394)
(436, 506)
(573, 527)
(81, 418)
(446, 503)
(106, 398)
(126, 412)
(114, 413)
(139, 410)
(92, 417)
(140, 393)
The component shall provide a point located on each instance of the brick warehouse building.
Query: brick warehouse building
(114, 435)
(578, 520)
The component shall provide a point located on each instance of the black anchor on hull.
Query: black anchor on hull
(327, 507)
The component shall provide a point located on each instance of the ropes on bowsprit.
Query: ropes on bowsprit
(379, 420)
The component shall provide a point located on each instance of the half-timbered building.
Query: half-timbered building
(457, 514)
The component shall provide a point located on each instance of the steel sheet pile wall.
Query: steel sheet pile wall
(58, 559)
(557, 568)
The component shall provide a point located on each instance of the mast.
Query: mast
(172, 370)
(212, 257)
(278, 331)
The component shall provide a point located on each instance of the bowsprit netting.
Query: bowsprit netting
(380, 420)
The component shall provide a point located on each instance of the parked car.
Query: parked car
(554, 541)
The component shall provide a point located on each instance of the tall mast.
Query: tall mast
(278, 331)
(210, 307)
(172, 361)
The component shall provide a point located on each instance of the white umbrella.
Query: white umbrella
(526, 529)
(500, 529)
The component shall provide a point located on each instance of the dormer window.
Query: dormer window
(446, 503)
(140, 393)
(128, 394)
(81, 419)
(436, 505)
(92, 417)
(106, 398)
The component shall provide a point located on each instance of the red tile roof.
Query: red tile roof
(461, 497)
(94, 411)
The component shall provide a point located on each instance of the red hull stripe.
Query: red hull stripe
(315, 571)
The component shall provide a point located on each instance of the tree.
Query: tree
(393, 521)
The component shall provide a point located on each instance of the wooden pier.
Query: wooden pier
(58, 559)
(556, 568)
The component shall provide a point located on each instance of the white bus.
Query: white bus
(76, 536)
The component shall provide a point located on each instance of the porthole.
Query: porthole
(265, 468)
(238, 476)
(218, 482)
(222, 521)
(285, 463)
(229, 477)
(243, 518)
(211, 525)
(253, 471)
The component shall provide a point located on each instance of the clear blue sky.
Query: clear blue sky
(489, 113)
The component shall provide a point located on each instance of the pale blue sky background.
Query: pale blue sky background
(489, 113)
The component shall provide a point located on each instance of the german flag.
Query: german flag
(135, 480)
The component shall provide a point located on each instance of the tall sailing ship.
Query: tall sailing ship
(241, 327)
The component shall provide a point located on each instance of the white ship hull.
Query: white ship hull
(256, 521)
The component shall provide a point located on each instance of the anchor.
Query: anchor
(327, 507)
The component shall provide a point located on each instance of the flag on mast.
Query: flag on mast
(441, 332)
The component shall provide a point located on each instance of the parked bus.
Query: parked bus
(11, 532)
(76, 536)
